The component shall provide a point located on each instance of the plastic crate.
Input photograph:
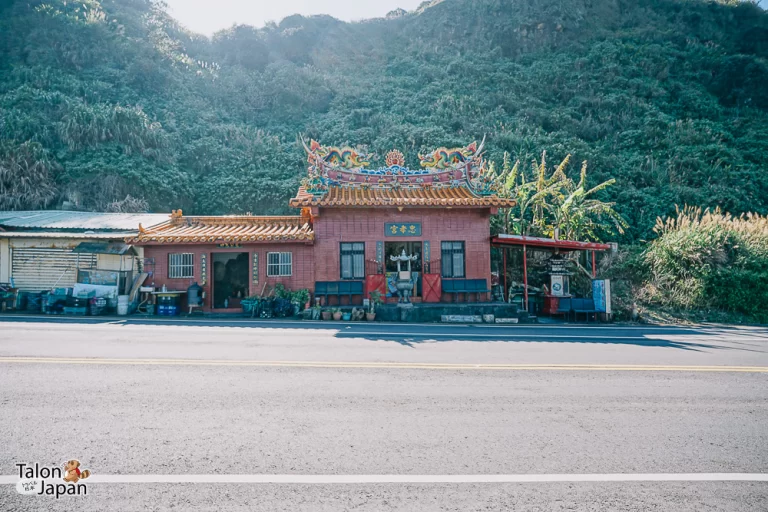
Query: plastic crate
(165, 310)
(76, 302)
(34, 302)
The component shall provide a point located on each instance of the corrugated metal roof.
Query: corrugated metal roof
(535, 241)
(89, 235)
(116, 248)
(58, 219)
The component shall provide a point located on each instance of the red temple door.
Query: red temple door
(431, 287)
(375, 277)
(375, 282)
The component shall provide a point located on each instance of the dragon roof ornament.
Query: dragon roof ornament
(345, 167)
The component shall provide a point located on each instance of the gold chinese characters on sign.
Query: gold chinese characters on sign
(402, 229)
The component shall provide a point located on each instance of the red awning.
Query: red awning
(549, 243)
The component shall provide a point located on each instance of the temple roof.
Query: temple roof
(343, 176)
(426, 197)
(226, 229)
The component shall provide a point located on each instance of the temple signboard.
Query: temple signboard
(402, 229)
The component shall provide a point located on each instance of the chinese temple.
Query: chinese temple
(354, 217)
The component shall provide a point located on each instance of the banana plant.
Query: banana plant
(577, 214)
(531, 196)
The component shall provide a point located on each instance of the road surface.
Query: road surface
(232, 415)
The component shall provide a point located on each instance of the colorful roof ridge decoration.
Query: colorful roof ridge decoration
(340, 176)
(445, 197)
(226, 229)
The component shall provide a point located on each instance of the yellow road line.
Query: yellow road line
(383, 365)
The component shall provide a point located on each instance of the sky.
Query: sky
(207, 16)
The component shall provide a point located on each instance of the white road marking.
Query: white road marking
(378, 365)
(415, 479)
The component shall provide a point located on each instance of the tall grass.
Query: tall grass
(710, 259)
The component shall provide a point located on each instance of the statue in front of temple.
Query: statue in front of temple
(404, 283)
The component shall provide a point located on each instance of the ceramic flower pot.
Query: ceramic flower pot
(370, 317)
(337, 316)
(326, 315)
(346, 317)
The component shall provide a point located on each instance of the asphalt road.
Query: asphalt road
(196, 402)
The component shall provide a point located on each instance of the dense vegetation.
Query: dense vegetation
(703, 264)
(102, 99)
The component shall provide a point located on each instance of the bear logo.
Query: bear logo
(72, 472)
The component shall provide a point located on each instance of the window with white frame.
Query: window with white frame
(279, 264)
(181, 265)
(352, 260)
(452, 259)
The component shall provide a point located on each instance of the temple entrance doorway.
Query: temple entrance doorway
(230, 279)
(390, 267)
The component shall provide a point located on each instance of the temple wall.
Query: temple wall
(320, 262)
(471, 226)
(302, 268)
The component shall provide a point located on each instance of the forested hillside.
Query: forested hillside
(104, 99)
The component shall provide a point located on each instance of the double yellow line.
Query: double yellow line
(383, 365)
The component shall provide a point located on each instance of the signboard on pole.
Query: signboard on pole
(557, 283)
(601, 294)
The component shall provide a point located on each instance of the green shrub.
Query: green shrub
(734, 290)
(709, 259)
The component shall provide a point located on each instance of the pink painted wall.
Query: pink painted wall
(303, 269)
(320, 262)
(471, 226)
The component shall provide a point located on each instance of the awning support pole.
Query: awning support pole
(504, 292)
(594, 268)
(525, 277)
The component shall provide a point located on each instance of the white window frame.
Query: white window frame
(453, 259)
(283, 267)
(353, 253)
(181, 265)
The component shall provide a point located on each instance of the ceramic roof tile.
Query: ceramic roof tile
(227, 229)
(430, 197)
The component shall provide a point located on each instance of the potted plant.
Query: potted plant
(346, 316)
(248, 304)
(375, 300)
(336, 314)
(300, 300)
(326, 314)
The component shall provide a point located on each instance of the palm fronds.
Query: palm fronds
(546, 203)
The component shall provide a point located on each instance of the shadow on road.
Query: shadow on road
(693, 338)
